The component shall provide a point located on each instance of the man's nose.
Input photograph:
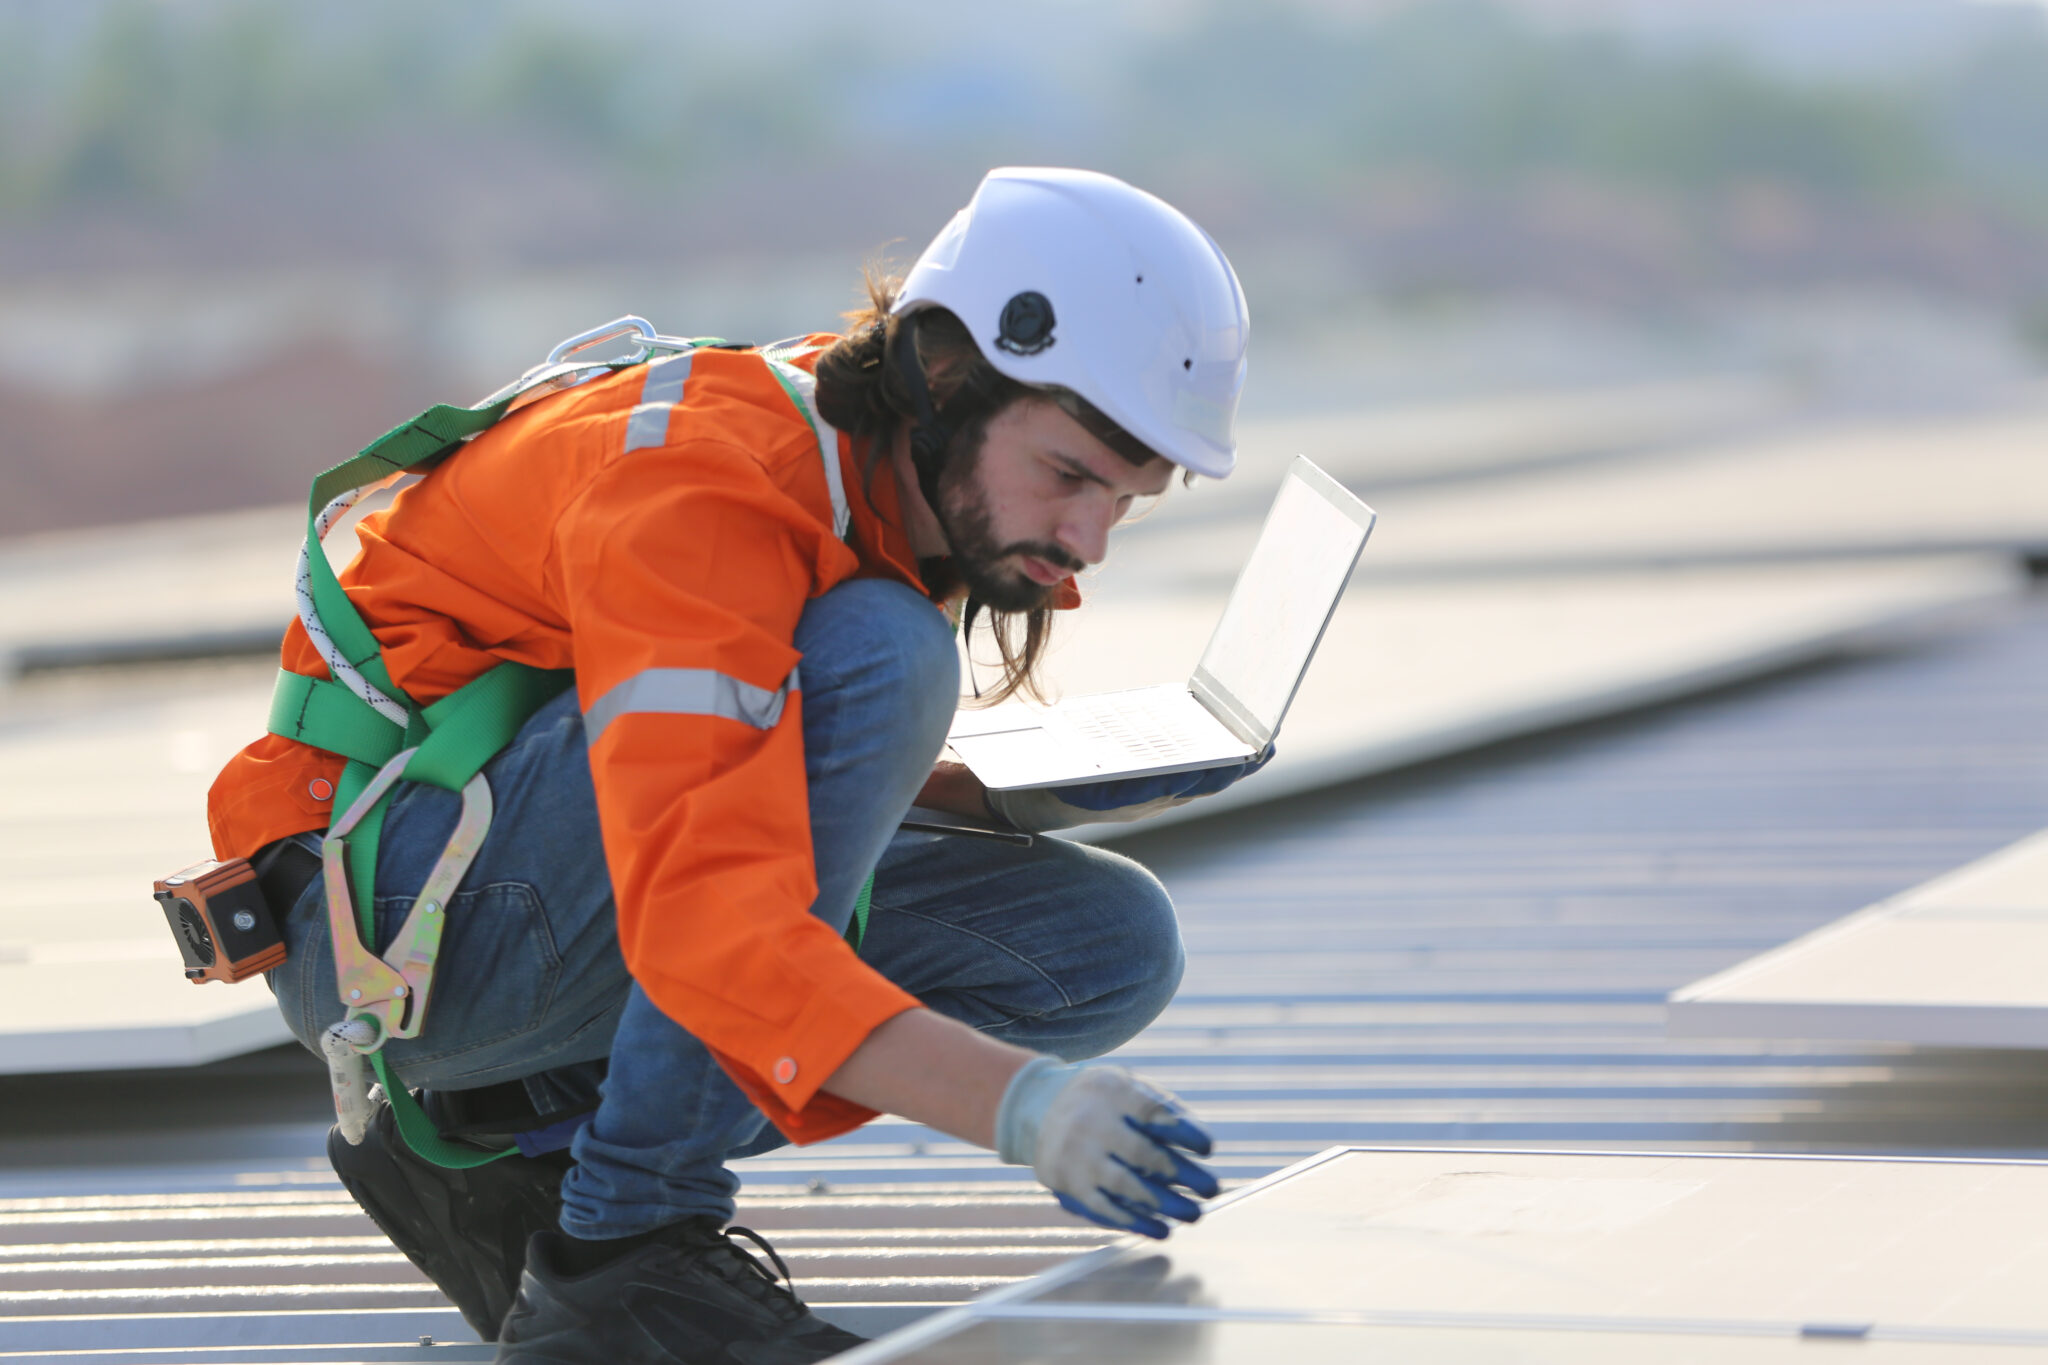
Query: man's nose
(1085, 533)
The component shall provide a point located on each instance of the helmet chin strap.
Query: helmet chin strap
(929, 436)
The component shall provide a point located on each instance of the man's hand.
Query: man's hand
(1137, 791)
(1105, 1143)
(954, 788)
(1130, 798)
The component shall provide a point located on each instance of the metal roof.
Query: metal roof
(1479, 950)
(1472, 951)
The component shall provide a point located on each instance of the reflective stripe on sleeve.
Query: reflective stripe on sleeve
(689, 692)
(659, 393)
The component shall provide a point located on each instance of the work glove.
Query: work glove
(1105, 1143)
(1123, 799)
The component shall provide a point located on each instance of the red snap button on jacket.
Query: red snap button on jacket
(785, 1071)
(320, 788)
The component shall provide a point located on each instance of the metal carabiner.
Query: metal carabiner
(418, 941)
(598, 335)
(557, 372)
(369, 987)
(390, 992)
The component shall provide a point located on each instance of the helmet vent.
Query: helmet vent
(1026, 325)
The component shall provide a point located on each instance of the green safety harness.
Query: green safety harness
(360, 713)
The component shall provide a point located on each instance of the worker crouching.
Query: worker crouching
(663, 916)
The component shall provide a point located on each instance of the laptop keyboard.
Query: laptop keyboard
(1129, 725)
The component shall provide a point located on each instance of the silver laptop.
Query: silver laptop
(1233, 705)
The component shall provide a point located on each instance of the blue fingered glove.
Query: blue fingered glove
(1137, 791)
(1105, 1143)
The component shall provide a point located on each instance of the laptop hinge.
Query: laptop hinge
(1235, 716)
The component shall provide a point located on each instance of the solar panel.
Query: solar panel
(1464, 1255)
(1954, 962)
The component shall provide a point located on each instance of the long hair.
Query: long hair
(860, 393)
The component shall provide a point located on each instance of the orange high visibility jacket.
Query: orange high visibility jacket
(659, 531)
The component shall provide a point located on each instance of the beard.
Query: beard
(978, 557)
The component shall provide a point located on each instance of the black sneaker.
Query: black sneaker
(691, 1298)
(466, 1230)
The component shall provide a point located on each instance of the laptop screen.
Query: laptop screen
(1282, 601)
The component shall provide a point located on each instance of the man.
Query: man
(648, 964)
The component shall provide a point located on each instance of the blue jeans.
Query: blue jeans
(1057, 947)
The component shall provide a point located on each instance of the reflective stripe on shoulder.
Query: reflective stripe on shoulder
(802, 386)
(689, 692)
(659, 393)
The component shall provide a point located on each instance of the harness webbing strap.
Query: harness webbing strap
(466, 730)
(455, 738)
(325, 714)
(463, 732)
(416, 445)
(419, 1131)
(458, 735)
(858, 930)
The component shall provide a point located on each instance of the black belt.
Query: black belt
(284, 870)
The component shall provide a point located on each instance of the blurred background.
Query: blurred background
(1693, 352)
(239, 239)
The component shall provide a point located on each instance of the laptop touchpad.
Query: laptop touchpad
(1024, 758)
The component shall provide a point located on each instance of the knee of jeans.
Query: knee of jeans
(931, 661)
(915, 657)
(1150, 961)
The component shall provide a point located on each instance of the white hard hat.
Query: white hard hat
(1075, 279)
